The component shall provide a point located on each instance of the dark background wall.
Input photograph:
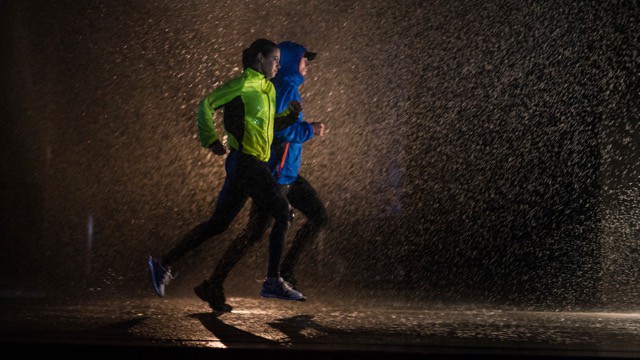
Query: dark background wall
(477, 152)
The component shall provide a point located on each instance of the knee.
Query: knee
(212, 228)
(281, 210)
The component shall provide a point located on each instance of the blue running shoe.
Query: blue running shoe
(160, 275)
(280, 289)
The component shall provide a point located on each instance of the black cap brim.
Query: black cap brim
(310, 55)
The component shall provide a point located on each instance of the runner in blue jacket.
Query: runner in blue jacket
(285, 160)
(286, 155)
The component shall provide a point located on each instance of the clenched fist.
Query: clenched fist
(318, 128)
(217, 148)
(295, 106)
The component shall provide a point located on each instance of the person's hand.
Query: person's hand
(217, 148)
(295, 106)
(318, 128)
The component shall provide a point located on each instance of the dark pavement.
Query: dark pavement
(151, 327)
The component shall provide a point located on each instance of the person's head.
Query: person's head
(295, 59)
(305, 62)
(263, 56)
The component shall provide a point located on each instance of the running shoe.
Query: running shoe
(213, 294)
(160, 275)
(280, 289)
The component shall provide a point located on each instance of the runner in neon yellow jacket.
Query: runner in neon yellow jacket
(249, 117)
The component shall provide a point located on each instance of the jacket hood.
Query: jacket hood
(290, 56)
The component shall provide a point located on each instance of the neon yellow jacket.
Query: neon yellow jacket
(249, 102)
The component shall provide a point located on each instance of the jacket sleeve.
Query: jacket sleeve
(287, 126)
(297, 132)
(207, 133)
(285, 119)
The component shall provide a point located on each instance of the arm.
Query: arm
(301, 132)
(290, 130)
(288, 116)
(297, 132)
(207, 133)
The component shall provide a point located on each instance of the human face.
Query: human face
(304, 66)
(270, 64)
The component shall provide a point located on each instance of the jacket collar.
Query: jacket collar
(253, 74)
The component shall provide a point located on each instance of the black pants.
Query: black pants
(246, 177)
(303, 197)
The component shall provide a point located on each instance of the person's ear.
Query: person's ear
(260, 57)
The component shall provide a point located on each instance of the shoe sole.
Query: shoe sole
(271, 296)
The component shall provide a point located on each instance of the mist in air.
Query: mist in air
(476, 152)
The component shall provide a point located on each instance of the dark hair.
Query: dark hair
(260, 46)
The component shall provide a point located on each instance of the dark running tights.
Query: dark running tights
(303, 197)
(246, 177)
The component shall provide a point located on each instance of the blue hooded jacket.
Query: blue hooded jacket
(285, 159)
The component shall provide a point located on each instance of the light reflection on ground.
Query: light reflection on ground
(267, 323)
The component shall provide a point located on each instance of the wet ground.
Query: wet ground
(151, 327)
